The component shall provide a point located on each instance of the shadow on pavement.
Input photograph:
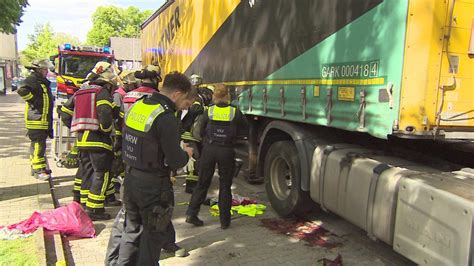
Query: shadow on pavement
(13, 136)
(16, 192)
(99, 227)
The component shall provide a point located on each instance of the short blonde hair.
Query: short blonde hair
(221, 94)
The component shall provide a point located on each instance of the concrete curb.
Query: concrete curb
(40, 246)
(54, 249)
(56, 242)
(59, 247)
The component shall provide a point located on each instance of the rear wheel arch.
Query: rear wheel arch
(286, 131)
(282, 176)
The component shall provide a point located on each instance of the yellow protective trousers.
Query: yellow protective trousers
(94, 177)
(38, 149)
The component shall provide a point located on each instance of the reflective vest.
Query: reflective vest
(140, 147)
(220, 129)
(85, 111)
(121, 91)
(98, 138)
(132, 96)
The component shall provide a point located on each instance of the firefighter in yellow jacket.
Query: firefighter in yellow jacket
(35, 90)
(91, 112)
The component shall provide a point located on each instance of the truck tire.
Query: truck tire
(282, 174)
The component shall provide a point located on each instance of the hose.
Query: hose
(452, 118)
(451, 87)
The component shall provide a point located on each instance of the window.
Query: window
(79, 66)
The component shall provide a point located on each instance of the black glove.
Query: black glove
(58, 111)
(117, 167)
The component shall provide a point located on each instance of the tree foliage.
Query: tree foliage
(44, 42)
(11, 12)
(112, 21)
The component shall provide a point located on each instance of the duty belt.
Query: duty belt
(142, 173)
(220, 143)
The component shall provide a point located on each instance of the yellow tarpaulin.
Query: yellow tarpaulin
(251, 210)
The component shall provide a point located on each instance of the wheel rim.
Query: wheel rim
(280, 176)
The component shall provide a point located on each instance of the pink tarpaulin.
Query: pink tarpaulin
(70, 220)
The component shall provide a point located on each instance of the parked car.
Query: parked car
(53, 85)
(15, 81)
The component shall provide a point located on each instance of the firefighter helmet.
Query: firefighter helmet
(41, 64)
(150, 74)
(205, 93)
(195, 79)
(128, 77)
(105, 72)
(154, 68)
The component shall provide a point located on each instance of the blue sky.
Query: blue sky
(70, 16)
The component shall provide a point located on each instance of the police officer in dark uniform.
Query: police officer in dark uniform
(222, 123)
(35, 90)
(151, 150)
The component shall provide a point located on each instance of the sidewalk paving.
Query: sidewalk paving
(246, 242)
(20, 193)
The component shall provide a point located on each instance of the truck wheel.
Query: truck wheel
(282, 175)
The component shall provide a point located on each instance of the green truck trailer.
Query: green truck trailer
(363, 108)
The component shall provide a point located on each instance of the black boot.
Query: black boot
(225, 225)
(97, 215)
(176, 250)
(194, 220)
(111, 201)
(225, 222)
(190, 186)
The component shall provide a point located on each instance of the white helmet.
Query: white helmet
(195, 80)
(105, 72)
(41, 64)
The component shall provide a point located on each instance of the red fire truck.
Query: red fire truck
(73, 63)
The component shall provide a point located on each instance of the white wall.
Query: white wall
(7, 47)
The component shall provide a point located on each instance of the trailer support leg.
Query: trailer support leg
(252, 177)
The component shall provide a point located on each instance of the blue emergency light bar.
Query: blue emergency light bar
(87, 48)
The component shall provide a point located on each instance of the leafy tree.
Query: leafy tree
(62, 38)
(10, 14)
(43, 43)
(112, 21)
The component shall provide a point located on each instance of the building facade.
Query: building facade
(8, 60)
(127, 52)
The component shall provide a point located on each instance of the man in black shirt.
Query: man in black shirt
(151, 150)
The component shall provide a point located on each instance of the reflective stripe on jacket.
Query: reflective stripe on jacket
(101, 137)
(39, 108)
